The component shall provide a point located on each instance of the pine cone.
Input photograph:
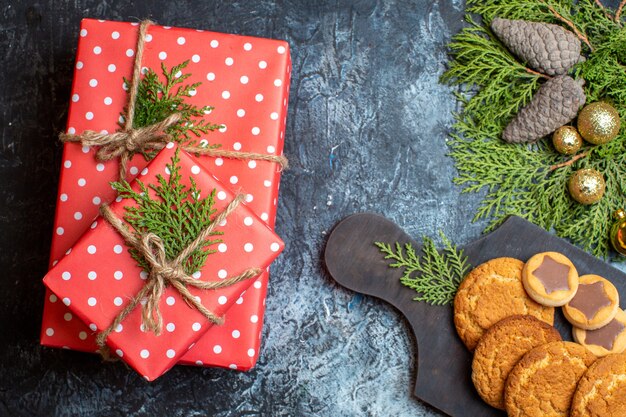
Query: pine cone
(555, 103)
(547, 48)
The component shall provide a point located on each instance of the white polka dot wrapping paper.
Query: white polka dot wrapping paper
(246, 79)
(98, 276)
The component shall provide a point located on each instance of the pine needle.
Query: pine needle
(493, 85)
(161, 96)
(174, 212)
(434, 276)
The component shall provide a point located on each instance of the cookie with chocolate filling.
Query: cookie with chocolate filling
(550, 279)
(595, 304)
(490, 292)
(607, 339)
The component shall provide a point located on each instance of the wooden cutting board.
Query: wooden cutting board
(443, 363)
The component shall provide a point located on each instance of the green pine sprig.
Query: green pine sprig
(493, 85)
(174, 212)
(161, 96)
(434, 275)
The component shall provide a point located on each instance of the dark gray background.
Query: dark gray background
(367, 130)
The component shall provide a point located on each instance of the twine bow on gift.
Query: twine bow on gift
(125, 143)
(128, 141)
(164, 272)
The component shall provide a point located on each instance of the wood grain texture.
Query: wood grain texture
(443, 363)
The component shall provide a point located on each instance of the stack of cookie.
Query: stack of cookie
(520, 362)
(590, 302)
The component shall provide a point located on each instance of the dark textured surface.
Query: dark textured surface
(366, 131)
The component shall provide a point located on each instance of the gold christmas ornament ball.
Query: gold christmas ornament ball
(566, 140)
(618, 232)
(598, 123)
(586, 186)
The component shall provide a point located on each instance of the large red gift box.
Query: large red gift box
(98, 276)
(246, 79)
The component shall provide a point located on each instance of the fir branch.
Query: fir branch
(618, 13)
(538, 74)
(585, 15)
(494, 84)
(434, 276)
(514, 9)
(570, 24)
(174, 212)
(531, 180)
(604, 10)
(569, 161)
(161, 96)
(596, 22)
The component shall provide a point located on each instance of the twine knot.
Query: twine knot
(153, 249)
(164, 273)
(128, 141)
(132, 143)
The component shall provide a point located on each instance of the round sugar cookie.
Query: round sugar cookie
(500, 348)
(543, 382)
(550, 279)
(607, 339)
(595, 304)
(601, 391)
(490, 292)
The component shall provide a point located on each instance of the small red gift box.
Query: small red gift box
(246, 79)
(98, 276)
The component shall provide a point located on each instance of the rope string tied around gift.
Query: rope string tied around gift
(164, 273)
(127, 141)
